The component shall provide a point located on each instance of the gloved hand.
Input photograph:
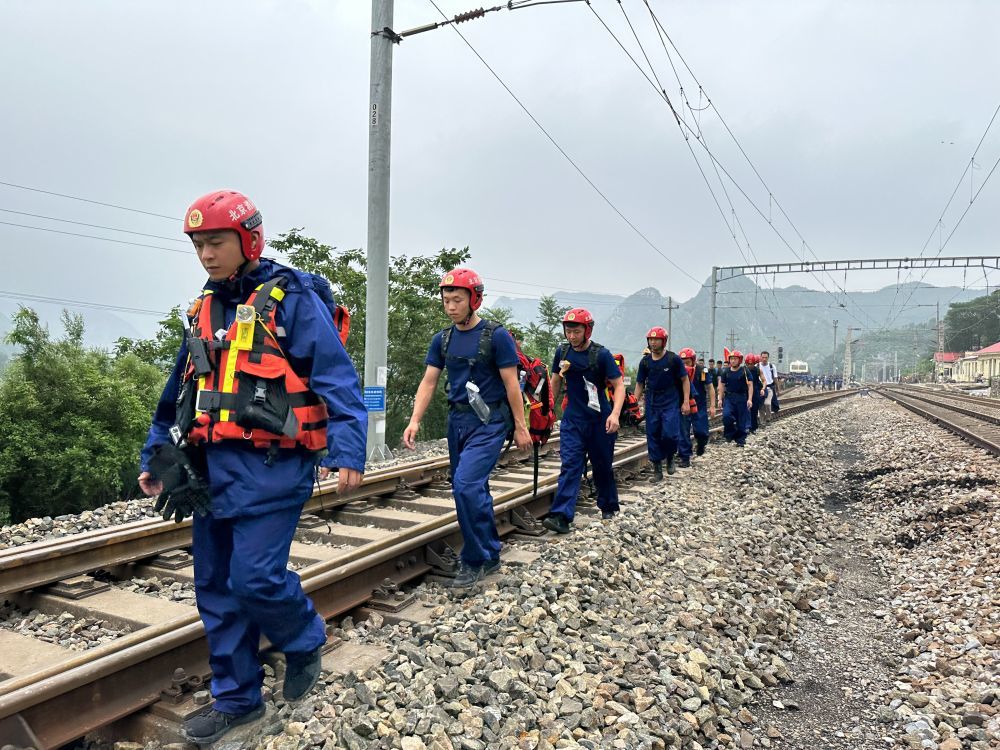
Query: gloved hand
(182, 503)
(185, 491)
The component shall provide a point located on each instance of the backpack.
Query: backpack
(631, 411)
(340, 315)
(534, 377)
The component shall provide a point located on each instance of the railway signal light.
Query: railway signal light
(781, 352)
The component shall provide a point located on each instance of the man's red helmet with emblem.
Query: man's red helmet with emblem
(580, 316)
(752, 359)
(465, 278)
(686, 353)
(656, 332)
(734, 353)
(228, 209)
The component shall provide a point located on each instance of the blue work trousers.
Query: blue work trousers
(474, 449)
(244, 589)
(580, 439)
(663, 431)
(693, 423)
(735, 418)
(758, 401)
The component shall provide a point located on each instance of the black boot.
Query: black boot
(301, 673)
(210, 725)
(702, 441)
(670, 466)
(684, 463)
(657, 471)
(556, 522)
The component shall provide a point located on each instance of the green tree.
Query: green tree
(545, 335)
(73, 421)
(415, 315)
(974, 324)
(161, 350)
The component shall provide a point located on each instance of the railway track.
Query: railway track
(955, 414)
(355, 549)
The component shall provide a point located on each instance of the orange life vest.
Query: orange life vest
(252, 392)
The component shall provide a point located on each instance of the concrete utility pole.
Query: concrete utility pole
(731, 337)
(670, 307)
(377, 292)
(714, 297)
(848, 365)
(940, 329)
(835, 324)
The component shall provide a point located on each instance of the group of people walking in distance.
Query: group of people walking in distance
(263, 400)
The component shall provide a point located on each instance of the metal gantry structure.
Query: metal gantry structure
(725, 273)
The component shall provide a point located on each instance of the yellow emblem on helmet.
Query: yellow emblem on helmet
(449, 279)
(571, 316)
(195, 219)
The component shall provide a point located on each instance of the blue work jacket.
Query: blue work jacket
(241, 484)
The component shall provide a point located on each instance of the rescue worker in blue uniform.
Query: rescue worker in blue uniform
(589, 425)
(736, 398)
(484, 404)
(662, 379)
(257, 484)
(703, 396)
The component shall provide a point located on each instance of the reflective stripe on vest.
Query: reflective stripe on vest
(252, 373)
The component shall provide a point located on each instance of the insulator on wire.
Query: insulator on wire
(470, 15)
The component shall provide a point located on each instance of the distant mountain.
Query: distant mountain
(101, 327)
(801, 321)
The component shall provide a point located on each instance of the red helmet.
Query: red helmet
(734, 353)
(686, 353)
(227, 209)
(656, 333)
(752, 359)
(581, 317)
(465, 278)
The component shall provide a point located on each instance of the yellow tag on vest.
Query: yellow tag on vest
(245, 321)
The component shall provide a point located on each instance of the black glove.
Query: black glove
(185, 490)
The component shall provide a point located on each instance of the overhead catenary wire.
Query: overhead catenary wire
(698, 134)
(89, 200)
(97, 237)
(22, 296)
(94, 226)
(938, 224)
(565, 155)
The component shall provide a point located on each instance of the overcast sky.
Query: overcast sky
(861, 116)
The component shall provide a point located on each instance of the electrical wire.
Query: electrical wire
(80, 303)
(565, 155)
(94, 226)
(89, 200)
(96, 237)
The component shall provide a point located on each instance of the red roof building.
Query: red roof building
(947, 356)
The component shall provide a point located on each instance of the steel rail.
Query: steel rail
(942, 400)
(111, 681)
(36, 564)
(95, 688)
(940, 416)
(31, 565)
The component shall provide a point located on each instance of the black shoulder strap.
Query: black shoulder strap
(592, 354)
(446, 341)
(563, 350)
(485, 353)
